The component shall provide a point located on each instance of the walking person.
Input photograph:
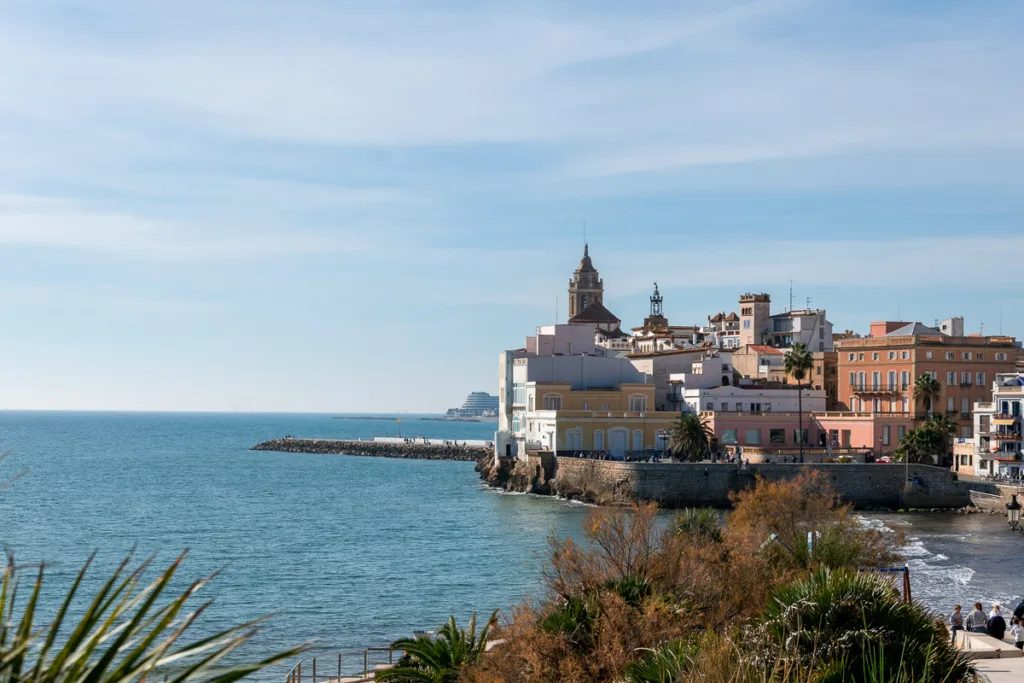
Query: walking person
(1019, 611)
(1017, 633)
(956, 622)
(976, 620)
(996, 624)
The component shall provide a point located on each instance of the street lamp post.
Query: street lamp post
(1013, 514)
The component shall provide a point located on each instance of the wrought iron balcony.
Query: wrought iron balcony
(874, 388)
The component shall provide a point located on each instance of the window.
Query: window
(892, 379)
(979, 379)
(861, 379)
(777, 436)
(821, 333)
(933, 374)
(876, 405)
(950, 378)
(586, 406)
(767, 407)
(876, 380)
(711, 405)
(833, 437)
(950, 355)
(853, 379)
(530, 407)
(800, 436)
(966, 432)
(905, 380)
(892, 355)
(729, 437)
(552, 403)
(739, 406)
(874, 356)
(929, 355)
(851, 357)
(847, 437)
(860, 356)
(979, 355)
(1000, 356)
(604, 407)
(905, 355)
(638, 440)
(599, 440)
(965, 406)
(967, 355)
(886, 435)
(901, 431)
(905, 406)
(950, 404)
(752, 437)
(517, 422)
(637, 404)
(725, 406)
(518, 393)
(965, 379)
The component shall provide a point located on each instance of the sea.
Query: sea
(344, 552)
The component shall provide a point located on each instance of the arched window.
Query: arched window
(725, 380)
(637, 404)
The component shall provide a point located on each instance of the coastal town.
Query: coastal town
(590, 388)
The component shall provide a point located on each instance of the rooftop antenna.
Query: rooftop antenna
(981, 330)
(790, 295)
(808, 303)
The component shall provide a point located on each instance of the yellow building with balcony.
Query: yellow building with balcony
(615, 419)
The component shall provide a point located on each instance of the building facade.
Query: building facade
(997, 442)
(876, 374)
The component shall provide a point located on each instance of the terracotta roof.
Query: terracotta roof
(768, 350)
(731, 317)
(594, 313)
(717, 319)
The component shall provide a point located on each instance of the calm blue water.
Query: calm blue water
(348, 551)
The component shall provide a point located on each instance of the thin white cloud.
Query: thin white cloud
(39, 222)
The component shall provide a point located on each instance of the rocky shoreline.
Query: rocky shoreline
(373, 449)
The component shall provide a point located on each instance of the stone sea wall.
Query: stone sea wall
(682, 484)
(416, 451)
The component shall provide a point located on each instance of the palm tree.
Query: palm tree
(927, 388)
(441, 658)
(798, 363)
(131, 630)
(690, 437)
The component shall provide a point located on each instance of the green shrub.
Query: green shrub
(698, 525)
(860, 621)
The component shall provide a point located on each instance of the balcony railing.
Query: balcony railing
(965, 416)
(966, 384)
(1006, 437)
(880, 387)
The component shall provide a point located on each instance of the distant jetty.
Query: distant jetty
(439, 449)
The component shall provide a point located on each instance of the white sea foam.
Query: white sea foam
(915, 548)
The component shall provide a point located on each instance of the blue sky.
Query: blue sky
(354, 206)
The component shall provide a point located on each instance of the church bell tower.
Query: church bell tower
(586, 286)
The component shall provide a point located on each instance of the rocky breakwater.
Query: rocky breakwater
(375, 449)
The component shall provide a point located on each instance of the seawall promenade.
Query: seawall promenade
(604, 482)
(392, 448)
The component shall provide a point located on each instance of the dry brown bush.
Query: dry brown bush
(642, 585)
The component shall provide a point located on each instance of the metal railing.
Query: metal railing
(348, 666)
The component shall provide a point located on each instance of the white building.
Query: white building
(782, 330)
(690, 396)
(661, 366)
(564, 355)
(997, 428)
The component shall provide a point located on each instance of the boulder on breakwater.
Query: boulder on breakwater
(377, 449)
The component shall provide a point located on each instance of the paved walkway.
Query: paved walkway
(1001, 670)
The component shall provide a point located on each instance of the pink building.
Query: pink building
(777, 433)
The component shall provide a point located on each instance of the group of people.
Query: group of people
(991, 624)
